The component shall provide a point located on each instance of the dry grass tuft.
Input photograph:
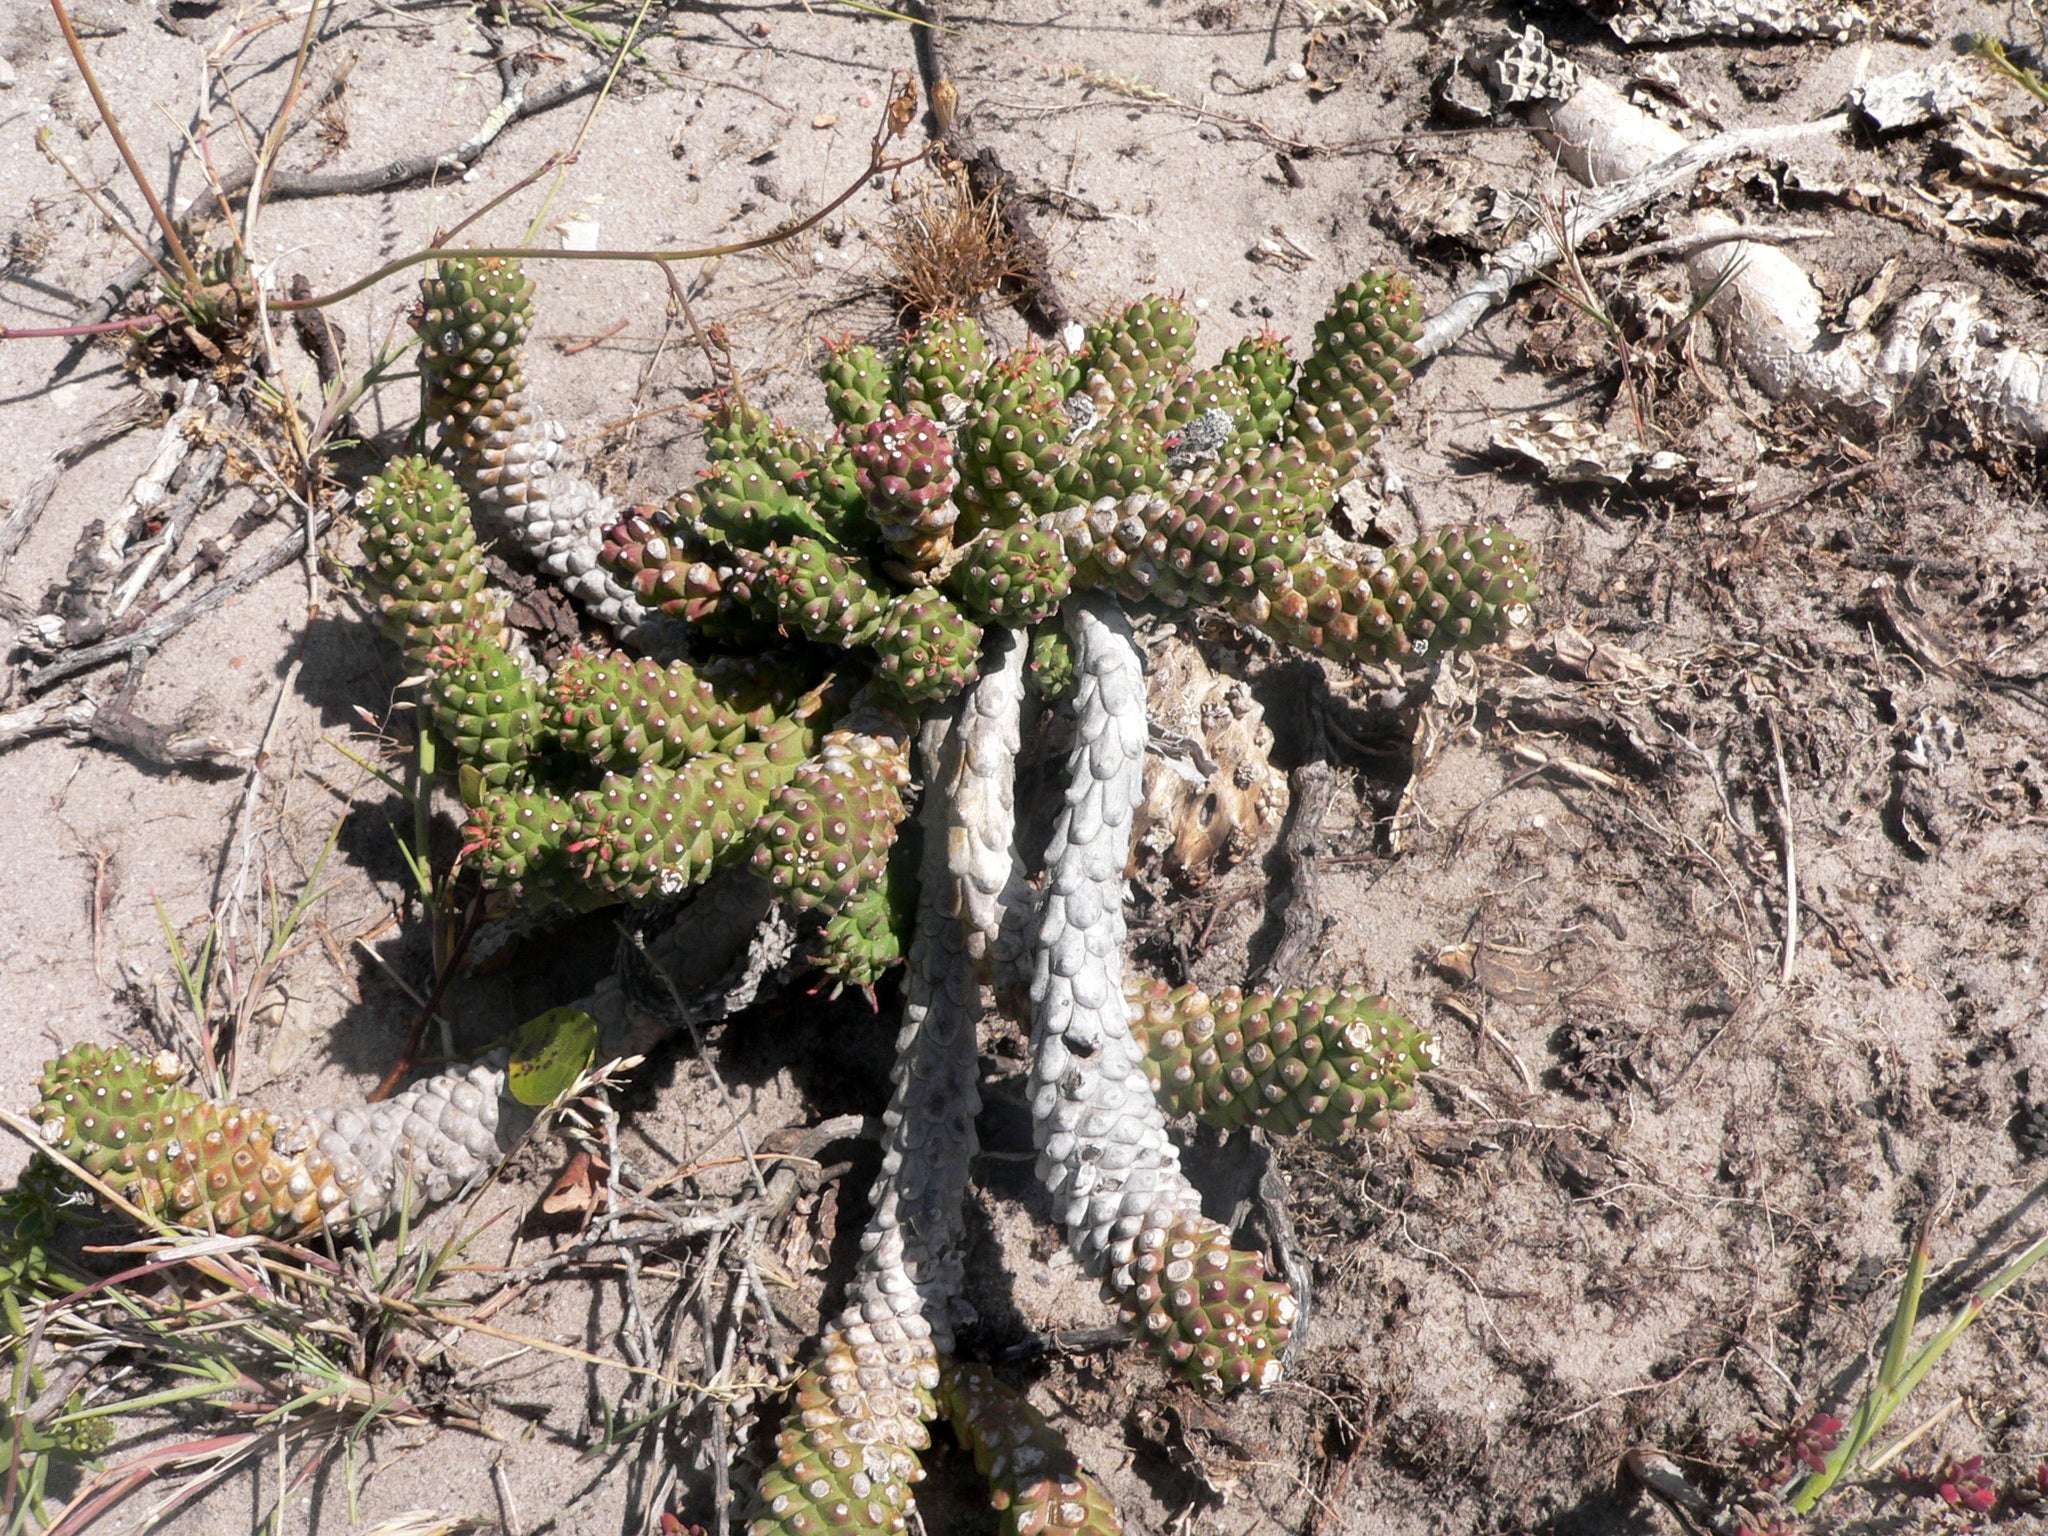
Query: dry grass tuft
(944, 248)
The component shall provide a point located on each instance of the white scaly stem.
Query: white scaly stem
(426, 1144)
(1104, 1152)
(990, 885)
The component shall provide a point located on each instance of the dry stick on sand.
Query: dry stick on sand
(1937, 342)
(390, 176)
(1038, 296)
(1522, 261)
(1301, 917)
(119, 420)
(164, 625)
(177, 518)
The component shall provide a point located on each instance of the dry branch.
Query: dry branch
(164, 625)
(1586, 215)
(1038, 296)
(118, 420)
(1771, 314)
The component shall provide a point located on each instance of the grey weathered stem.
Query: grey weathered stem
(523, 493)
(426, 1144)
(1103, 1148)
(981, 849)
(121, 419)
(1938, 342)
(912, 1252)
(1585, 215)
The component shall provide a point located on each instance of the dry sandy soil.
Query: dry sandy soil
(1662, 1188)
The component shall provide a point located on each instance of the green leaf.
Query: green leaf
(549, 1053)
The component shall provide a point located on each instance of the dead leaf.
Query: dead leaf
(579, 1190)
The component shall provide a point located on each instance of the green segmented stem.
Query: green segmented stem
(820, 473)
(864, 939)
(826, 835)
(1120, 457)
(483, 702)
(1317, 1059)
(928, 648)
(739, 501)
(814, 591)
(1364, 351)
(185, 1159)
(421, 555)
(1017, 575)
(941, 366)
(1449, 591)
(475, 313)
(856, 382)
(1010, 445)
(1133, 356)
(1266, 371)
(1052, 663)
(1036, 1485)
(659, 831)
(517, 839)
(613, 708)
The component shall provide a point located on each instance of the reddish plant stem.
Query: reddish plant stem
(471, 921)
(105, 327)
(99, 100)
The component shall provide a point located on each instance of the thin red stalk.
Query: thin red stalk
(132, 323)
(99, 100)
(471, 921)
(442, 237)
(135, 1473)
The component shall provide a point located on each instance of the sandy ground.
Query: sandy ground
(1662, 1188)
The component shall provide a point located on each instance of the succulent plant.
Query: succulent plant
(482, 700)
(825, 836)
(1016, 575)
(182, 1158)
(856, 382)
(941, 366)
(904, 466)
(1035, 1484)
(474, 315)
(1011, 445)
(421, 554)
(837, 588)
(1316, 1059)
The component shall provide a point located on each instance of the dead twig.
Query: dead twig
(1037, 296)
(1301, 918)
(1791, 857)
(160, 628)
(688, 1016)
(118, 421)
(177, 519)
(1819, 487)
(1585, 215)
(1700, 240)
(322, 338)
(515, 105)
